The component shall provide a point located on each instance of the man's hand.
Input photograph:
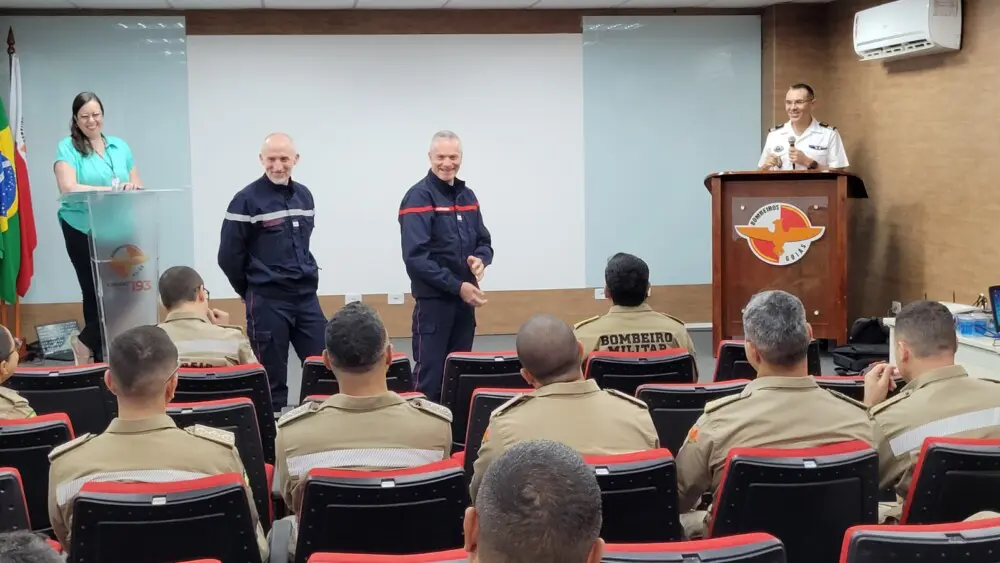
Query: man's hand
(218, 317)
(799, 157)
(773, 161)
(878, 382)
(472, 295)
(476, 265)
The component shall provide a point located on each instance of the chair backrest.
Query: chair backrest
(781, 492)
(626, 371)
(732, 361)
(317, 380)
(449, 556)
(968, 542)
(675, 407)
(13, 505)
(852, 385)
(639, 496)
(78, 391)
(484, 401)
(743, 548)
(25, 445)
(415, 510)
(237, 415)
(197, 385)
(464, 372)
(954, 478)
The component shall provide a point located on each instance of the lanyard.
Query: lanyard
(111, 164)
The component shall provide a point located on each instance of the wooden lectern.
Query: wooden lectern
(781, 230)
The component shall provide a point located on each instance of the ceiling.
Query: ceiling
(386, 4)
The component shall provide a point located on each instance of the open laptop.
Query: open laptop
(995, 306)
(53, 339)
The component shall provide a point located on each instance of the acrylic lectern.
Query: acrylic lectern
(781, 230)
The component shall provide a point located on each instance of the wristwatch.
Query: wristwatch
(813, 165)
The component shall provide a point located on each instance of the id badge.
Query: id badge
(115, 183)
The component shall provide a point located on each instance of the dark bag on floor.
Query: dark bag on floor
(868, 342)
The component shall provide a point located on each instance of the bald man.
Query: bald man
(564, 406)
(264, 251)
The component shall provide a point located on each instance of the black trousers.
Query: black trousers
(440, 327)
(78, 249)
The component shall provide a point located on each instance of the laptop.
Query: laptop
(53, 339)
(995, 306)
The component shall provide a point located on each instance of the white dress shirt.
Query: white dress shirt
(820, 142)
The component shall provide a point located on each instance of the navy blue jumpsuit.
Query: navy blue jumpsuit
(264, 251)
(441, 226)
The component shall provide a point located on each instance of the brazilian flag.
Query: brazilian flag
(10, 222)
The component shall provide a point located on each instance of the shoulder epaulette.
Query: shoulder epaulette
(298, 412)
(431, 407)
(586, 321)
(827, 125)
(889, 402)
(851, 400)
(719, 403)
(12, 396)
(514, 401)
(634, 400)
(72, 444)
(673, 318)
(217, 435)
(775, 128)
(234, 327)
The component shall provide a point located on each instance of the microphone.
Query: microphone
(791, 145)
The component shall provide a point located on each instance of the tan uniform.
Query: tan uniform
(777, 412)
(579, 414)
(13, 405)
(203, 344)
(632, 329)
(151, 450)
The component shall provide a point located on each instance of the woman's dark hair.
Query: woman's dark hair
(80, 141)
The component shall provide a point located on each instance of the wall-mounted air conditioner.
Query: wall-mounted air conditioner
(908, 28)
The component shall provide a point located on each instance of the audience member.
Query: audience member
(26, 547)
(12, 405)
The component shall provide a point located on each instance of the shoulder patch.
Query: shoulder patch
(827, 125)
(586, 321)
(890, 401)
(513, 402)
(719, 403)
(298, 412)
(431, 407)
(224, 437)
(72, 444)
(851, 400)
(634, 400)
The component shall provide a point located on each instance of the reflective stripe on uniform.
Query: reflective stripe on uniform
(270, 216)
(966, 422)
(66, 491)
(217, 346)
(386, 458)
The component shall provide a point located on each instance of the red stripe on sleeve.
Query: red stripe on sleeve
(424, 209)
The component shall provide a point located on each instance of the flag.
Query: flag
(29, 237)
(10, 223)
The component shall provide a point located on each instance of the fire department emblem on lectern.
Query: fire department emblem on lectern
(779, 234)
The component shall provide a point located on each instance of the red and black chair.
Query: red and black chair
(675, 407)
(317, 380)
(968, 542)
(732, 361)
(638, 496)
(198, 385)
(464, 372)
(25, 444)
(852, 385)
(450, 556)
(626, 371)
(78, 391)
(485, 400)
(744, 548)
(175, 521)
(954, 478)
(806, 497)
(13, 505)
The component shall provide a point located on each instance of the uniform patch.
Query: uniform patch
(851, 400)
(719, 403)
(216, 435)
(513, 402)
(298, 412)
(72, 444)
(430, 407)
(889, 402)
(634, 400)
(585, 321)
(693, 434)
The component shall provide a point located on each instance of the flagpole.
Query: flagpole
(17, 298)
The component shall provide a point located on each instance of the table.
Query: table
(977, 354)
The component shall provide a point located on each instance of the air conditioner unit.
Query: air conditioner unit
(908, 28)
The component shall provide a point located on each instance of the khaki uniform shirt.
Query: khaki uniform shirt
(381, 432)
(203, 344)
(632, 329)
(773, 412)
(13, 405)
(151, 450)
(579, 414)
(941, 402)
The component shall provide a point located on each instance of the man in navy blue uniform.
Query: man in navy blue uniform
(446, 248)
(264, 251)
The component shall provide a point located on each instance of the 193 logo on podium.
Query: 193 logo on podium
(128, 262)
(779, 233)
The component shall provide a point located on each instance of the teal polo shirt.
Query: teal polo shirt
(93, 170)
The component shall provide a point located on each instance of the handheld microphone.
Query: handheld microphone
(791, 145)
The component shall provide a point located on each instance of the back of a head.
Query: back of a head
(775, 323)
(26, 547)
(356, 339)
(627, 279)
(548, 349)
(538, 503)
(179, 285)
(928, 327)
(141, 360)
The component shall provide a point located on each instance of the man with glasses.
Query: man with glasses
(142, 444)
(802, 143)
(203, 335)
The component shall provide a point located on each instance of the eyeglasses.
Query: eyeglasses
(89, 116)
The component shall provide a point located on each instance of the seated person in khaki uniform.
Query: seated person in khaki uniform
(538, 502)
(202, 335)
(631, 325)
(564, 406)
(939, 399)
(782, 408)
(12, 405)
(142, 444)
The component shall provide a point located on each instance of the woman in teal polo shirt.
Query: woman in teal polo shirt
(89, 160)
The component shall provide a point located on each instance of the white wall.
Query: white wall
(362, 110)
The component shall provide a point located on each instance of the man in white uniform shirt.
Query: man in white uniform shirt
(816, 146)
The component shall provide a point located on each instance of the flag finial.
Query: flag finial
(10, 41)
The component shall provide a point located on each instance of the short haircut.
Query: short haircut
(775, 322)
(26, 547)
(356, 339)
(140, 360)
(547, 348)
(803, 86)
(627, 278)
(179, 285)
(928, 327)
(446, 135)
(538, 502)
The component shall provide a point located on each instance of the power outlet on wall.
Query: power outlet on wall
(599, 294)
(395, 298)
